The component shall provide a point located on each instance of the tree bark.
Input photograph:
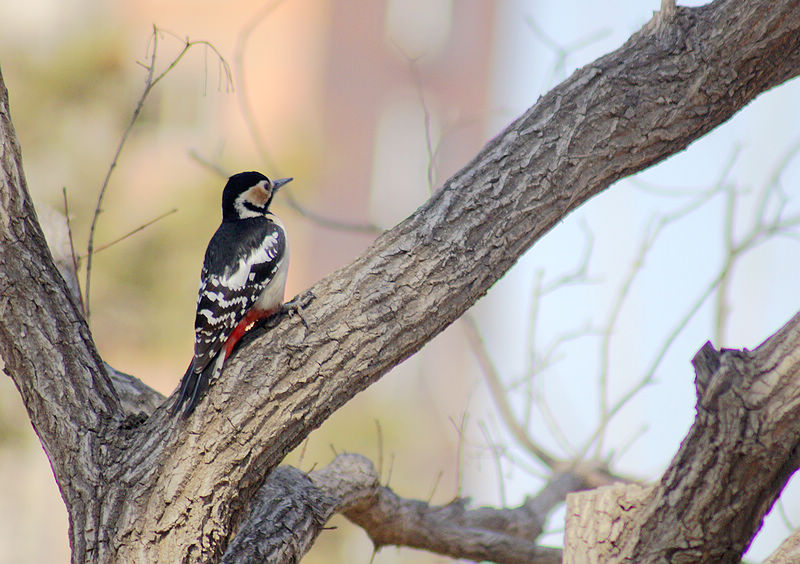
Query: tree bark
(731, 467)
(162, 489)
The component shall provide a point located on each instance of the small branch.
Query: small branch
(668, 10)
(135, 231)
(329, 222)
(656, 227)
(238, 59)
(291, 509)
(75, 280)
(498, 462)
(561, 52)
(499, 395)
(431, 151)
(452, 530)
(251, 122)
(722, 308)
(150, 83)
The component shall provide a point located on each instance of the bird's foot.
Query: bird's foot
(295, 307)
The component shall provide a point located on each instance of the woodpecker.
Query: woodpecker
(242, 280)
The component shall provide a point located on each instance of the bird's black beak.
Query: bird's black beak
(280, 182)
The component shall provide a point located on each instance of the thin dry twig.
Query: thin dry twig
(459, 427)
(562, 52)
(496, 455)
(499, 396)
(722, 308)
(535, 362)
(762, 229)
(380, 448)
(150, 82)
(431, 150)
(435, 486)
(134, 231)
(72, 252)
(239, 53)
(653, 232)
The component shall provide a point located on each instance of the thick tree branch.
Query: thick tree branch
(731, 467)
(292, 508)
(747, 424)
(47, 350)
(174, 490)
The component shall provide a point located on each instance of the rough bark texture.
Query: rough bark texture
(599, 521)
(740, 452)
(291, 509)
(788, 551)
(167, 490)
(738, 456)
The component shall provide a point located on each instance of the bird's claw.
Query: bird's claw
(295, 306)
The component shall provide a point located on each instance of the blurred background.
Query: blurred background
(370, 106)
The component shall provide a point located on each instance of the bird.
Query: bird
(242, 281)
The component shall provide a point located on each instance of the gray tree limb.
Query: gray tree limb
(742, 449)
(729, 470)
(162, 489)
(292, 509)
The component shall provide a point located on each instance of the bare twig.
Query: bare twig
(213, 167)
(499, 396)
(784, 516)
(761, 230)
(535, 362)
(150, 82)
(652, 234)
(72, 253)
(435, 485)
(239, 52)
(432, 152)
(722, 308)
(303, 450)
(496, 452)
(380, 448)
(459, 427)
(668, 9)
(562, 52)
(134, 231)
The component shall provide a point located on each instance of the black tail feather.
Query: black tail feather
(193, 386)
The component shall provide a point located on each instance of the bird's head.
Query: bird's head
(248, 194)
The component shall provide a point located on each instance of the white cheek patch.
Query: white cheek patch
(257, 196)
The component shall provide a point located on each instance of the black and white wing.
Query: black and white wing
(241, 261)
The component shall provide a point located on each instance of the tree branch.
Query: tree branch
(788, 551)
(730, 468)
(48, 352)
(747, 424)
(292, 508)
